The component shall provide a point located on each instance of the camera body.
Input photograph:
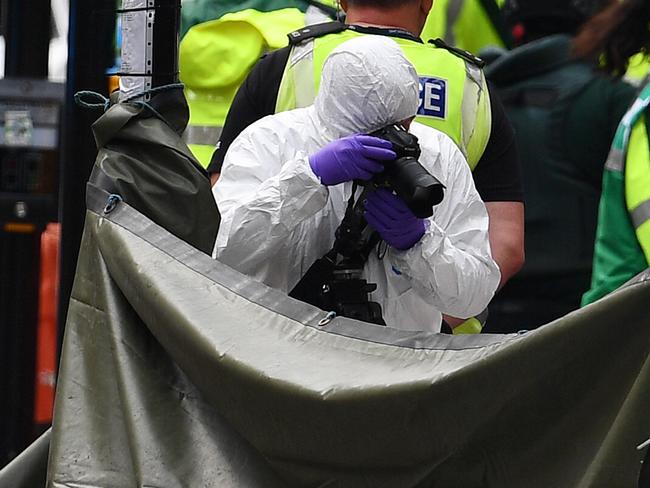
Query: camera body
(420, 190)
(338, 286)
(346, 292)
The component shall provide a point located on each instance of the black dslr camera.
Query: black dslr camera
(406, 176)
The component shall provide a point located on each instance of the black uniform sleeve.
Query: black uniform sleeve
(256, 98)
(498, 175)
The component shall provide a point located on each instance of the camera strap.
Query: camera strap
(352, 246)
(354, 238)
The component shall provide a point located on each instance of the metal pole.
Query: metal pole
(90, 54)
(165, 42)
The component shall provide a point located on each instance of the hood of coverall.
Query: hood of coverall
(366, 84)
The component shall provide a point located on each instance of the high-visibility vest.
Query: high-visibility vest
(638, 69)
(623, 239)
(214, 59)
(453, 92)
(637, 181)
(465, 24)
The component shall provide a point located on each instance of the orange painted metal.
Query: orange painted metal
(46, 339)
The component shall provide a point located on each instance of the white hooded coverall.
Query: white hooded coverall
(278, 219)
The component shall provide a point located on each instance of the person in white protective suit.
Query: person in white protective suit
(287, 178)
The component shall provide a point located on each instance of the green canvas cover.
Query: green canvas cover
(179, 371)
(142, 159)
(29, 468)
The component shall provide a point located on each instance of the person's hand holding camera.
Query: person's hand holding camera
(356, 157)
(396, 224)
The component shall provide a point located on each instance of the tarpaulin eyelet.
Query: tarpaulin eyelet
(111, 203)
(327, 319)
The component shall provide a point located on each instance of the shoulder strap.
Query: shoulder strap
(316, 30)
(320, 30)
(461, 53)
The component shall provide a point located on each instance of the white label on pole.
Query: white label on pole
(137, 40)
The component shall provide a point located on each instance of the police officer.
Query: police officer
(565, 115)
(454, 99)
(623, 241)
(221, 43)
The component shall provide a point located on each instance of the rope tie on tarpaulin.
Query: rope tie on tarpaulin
(94, 100)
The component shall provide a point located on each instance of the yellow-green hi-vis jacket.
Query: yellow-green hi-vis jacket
(214, 59)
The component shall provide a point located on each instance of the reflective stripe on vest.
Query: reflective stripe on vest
(637, 184)
(202, 141)
(454, 97)
(205, 135)
(641, 214)
(208, 110)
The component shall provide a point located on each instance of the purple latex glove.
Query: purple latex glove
(396, 224)
(351, 158)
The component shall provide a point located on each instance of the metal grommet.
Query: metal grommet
(327, 319)
(111, 203)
